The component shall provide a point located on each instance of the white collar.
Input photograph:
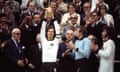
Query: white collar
(39, 45)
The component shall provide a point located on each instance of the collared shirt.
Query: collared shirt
(83, 46)
(106, 55)
(15, 41)
(39, 46)
(17, 45)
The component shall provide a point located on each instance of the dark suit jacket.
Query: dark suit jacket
(12, 55)
(96, 30)
(34, 56)
(66, 62)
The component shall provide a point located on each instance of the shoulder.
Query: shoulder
(86, 39)
(62, 43)
(66, 14)
(78, 14)
(55, 21)
(108, 15)
(110, 41)
(25, 12)
(9, 43)
(56, 40)
(9, 40)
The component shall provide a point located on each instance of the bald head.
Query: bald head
(69, 34)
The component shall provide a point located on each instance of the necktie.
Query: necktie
(19, 47)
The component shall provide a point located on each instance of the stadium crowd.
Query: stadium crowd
(59, 35)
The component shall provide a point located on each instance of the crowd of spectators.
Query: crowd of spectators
(59, 35)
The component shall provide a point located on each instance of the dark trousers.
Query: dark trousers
(81, 65)
(48, 67)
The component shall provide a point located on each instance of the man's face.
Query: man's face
(94, 16)
(102, 10)
(86, 7)
(37, 18)
(17, 35)
(71, 9)
(104, 34)
(74, 20)
(50, 33)
(32, 6)
(53, 5)
(69, 35)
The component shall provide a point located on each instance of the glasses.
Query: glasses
(73, 17)
(17, 33)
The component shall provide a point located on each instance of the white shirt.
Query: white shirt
(39, 46)
(40, 3)
(93, 5)
(49, 48)
(107, 56)
(66, 16)
(109, 19)
(24, 4)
